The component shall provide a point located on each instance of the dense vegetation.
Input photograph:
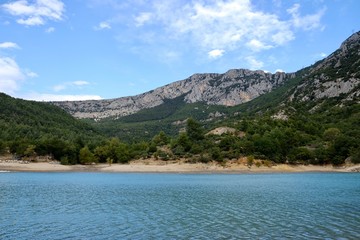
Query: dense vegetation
(32, 128)
(169, 117)
(321, 138)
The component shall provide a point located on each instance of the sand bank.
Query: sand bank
(152, 166)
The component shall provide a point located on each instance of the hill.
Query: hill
(37, 128)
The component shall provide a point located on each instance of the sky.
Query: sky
(55, 50)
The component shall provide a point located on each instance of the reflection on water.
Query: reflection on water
(179, 206)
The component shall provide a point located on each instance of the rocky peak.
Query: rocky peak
(337, 75)
(350, 43)
(350, 46)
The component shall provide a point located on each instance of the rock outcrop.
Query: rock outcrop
(338, 75)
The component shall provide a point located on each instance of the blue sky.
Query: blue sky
(100, 49)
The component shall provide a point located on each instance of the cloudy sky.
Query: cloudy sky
(93, 49)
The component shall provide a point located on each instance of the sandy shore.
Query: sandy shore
(151, 166)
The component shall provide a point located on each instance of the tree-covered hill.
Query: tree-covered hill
(41, 128)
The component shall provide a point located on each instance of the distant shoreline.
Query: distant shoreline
(156, 166)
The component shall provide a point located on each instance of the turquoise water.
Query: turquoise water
(179, 206)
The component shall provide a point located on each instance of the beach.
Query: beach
(179, 166)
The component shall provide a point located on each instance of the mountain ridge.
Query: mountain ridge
(234, 87)
(334, 76)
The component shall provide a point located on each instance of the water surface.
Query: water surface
(179, 206)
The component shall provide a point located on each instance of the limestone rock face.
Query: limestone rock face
(229, 89)
(338, 75)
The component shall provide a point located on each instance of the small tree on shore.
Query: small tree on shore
(86, 156)
(250, 161)
(30, 153)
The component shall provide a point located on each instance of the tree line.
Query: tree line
(328, 136)
(294, 141)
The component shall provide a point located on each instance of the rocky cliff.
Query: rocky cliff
(338, 75)
(231, 88)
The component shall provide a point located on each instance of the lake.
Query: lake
(179, 206)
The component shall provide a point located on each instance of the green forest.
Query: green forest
(329, 136)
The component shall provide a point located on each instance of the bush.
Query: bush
(337, 160)
(267, 163)
(216, 154)
(355, 156)
(301, 154)
(64, 160)
(159, 154)
(250, 161)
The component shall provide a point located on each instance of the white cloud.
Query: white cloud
(63, 86)
(281, 38)
(168, 56)
(216, 53)
(8, 45)
(37, 12)
(142, 18)
(31, 21)
(230, 25)
(60, 87)
(224, 25)
(256, 45)
(11, 75)
(320, 55)
(30, 73)
(307, 22)
(102, 26)
(253, 63)
(80, 83)
(50, 30)
(54, 97)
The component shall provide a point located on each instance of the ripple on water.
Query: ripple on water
(171, 206)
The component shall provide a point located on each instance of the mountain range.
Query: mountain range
(336, 75)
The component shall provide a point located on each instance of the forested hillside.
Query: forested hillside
(34, 128)
(312, 118)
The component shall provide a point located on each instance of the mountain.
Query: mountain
(229, 89)
(210, 98)
(337, 76)
(333, 82)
